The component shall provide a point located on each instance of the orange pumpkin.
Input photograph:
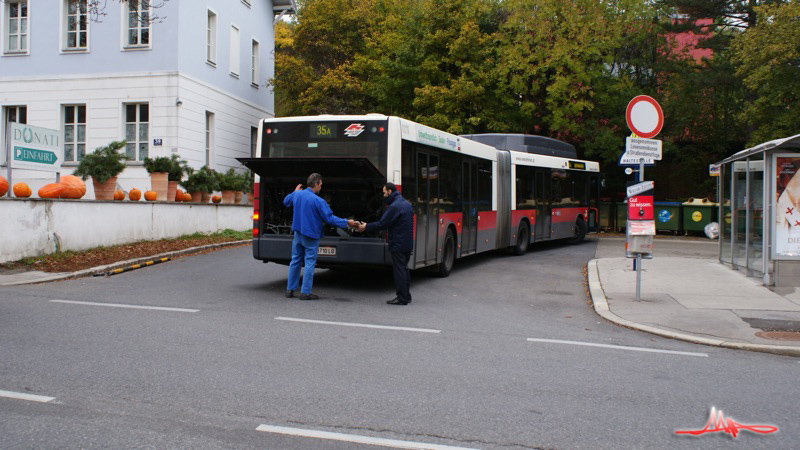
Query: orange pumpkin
(73, 187)
(178, 195)
(216, 199)
(22, 190)
(187, 197)
(134, 195)
(150, 196)
(119, 195)
(3, 186)
(52, 190)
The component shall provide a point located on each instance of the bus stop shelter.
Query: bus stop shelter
(759, 210)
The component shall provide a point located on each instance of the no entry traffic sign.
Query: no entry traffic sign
(645, 117)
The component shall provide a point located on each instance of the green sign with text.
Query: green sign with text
(35, 156)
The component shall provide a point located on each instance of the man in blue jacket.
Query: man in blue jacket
(310, 211)
(398, 218)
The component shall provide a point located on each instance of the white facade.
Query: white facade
(88, 79)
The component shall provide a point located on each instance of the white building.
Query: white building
(191, 82)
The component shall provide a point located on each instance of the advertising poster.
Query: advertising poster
(787, 216)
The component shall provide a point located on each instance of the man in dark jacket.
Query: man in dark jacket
(398, 218)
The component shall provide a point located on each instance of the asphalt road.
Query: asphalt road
(477, 360)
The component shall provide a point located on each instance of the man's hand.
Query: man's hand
(352, 223)
(299, 187)
(361, 227)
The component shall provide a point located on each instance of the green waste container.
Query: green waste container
(697, 213)
(607, 215)
(622, 215)
(668, 216)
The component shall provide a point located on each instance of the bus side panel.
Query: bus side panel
(517, 216)
(487, 230)
(564, 221)
(445, 221)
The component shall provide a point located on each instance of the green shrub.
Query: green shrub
(106, 162)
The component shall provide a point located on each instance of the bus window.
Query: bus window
(525, 188)
(450, 183)
(484, 186)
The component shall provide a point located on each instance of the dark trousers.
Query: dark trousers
(402, 279)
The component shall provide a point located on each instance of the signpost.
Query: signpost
(645, 119)
(33, 148)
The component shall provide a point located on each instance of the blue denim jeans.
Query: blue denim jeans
(303, 248)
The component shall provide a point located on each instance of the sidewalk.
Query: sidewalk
(697, 300)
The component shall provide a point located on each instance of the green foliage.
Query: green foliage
(767, 58)
(203, 180)
(106, 162)
(230, 181)
(247, 182)
(161, 164)
(176, 170)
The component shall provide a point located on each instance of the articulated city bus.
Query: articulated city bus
(468, 196)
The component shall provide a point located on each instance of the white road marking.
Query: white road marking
(362, 325)
(352, 438)
(119, 305)
(617, 347)
(28, 397)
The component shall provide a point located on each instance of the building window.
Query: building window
(211, 38)
(235, 57)
(254, 64)
(16, 26)
(74, 132)
(16, 114)
(209, 136)
(137, 133)
(77, 25)
(138, 23)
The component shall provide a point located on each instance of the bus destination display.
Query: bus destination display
(577, 165)
(322, 130)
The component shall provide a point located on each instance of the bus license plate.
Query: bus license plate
(326, 251)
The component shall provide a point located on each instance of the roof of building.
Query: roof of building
(787, 142)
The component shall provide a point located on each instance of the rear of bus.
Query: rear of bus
(350, 152)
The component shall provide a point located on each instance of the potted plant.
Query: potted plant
(103, 166)
(174, 177)
(201, 183)
(229, 183)
(159, 168)
(247, 185)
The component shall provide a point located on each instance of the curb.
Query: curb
(600, 303)
(104, 270)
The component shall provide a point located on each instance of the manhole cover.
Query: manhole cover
(780, 335)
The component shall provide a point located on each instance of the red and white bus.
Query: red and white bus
(468, 196)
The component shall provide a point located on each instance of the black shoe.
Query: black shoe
(396, 301)
(309, 297)
(289, 294)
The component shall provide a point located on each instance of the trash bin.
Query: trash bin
(697, 213)
(607, 217)
(668, 216)
(622, 215)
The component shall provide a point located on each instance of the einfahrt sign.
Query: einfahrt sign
(36, 148)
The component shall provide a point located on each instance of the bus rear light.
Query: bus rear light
(255, 215)
(269, 130)
(255, 232)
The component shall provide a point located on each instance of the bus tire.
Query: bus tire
(444, 268)
(580, 231)
(523, 239)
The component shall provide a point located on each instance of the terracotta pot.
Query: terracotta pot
(238, 198)
(206, 197)
(228, 196)
(105, 191)
(250, 198)
(197, 196)
(172, 188)
(159, 182)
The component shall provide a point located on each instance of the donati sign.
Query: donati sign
(36, 148)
